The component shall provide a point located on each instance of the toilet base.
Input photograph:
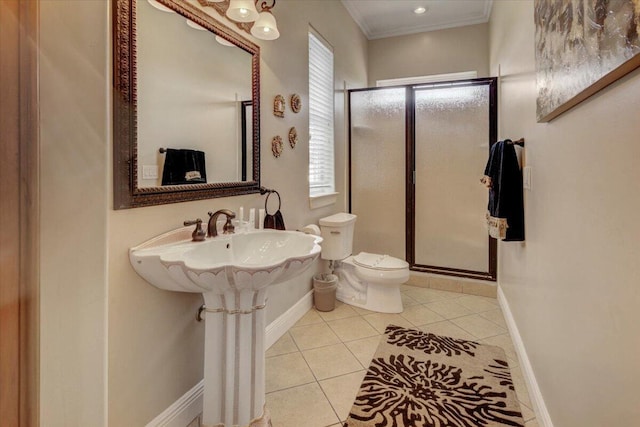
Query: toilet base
(382, 298)
(391, 303)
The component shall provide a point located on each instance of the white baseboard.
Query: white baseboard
(189, 406)
(539, 407)
(182, 411)
(285, 321)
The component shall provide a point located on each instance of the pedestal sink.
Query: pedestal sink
(233, 273)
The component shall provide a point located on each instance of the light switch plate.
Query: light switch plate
(149, 172)
(526, 178)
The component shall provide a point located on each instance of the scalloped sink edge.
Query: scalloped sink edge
(246, 260)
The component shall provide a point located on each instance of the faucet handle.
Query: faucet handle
(198, 234)
(228, 227)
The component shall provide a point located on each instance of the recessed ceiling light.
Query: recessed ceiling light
(419, 10)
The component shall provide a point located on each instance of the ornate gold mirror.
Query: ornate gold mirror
(185, 87)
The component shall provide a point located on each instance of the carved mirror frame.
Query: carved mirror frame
(127, 194)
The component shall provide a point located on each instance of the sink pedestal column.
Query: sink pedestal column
(234, 377)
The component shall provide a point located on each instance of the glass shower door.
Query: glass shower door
(453, 129)
(377, 169)
(417, 154)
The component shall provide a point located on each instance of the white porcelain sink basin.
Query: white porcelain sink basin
(232, 272)
(250, 260)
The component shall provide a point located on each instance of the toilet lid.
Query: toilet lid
(379, 262)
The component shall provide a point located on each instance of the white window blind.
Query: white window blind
(321, 87)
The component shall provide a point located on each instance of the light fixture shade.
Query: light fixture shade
(265, 28)
(223, 42)
(242, 11)
(195, 26)
(160, 6)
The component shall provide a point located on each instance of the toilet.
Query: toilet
(366, 280)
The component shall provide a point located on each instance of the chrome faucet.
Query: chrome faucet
(228, 228)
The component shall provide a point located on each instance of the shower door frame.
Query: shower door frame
(492, 268)
(410, 161)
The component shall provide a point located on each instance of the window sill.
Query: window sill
(322, 200)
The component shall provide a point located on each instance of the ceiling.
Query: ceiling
(388, 18)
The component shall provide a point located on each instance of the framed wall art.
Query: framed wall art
(582, 46)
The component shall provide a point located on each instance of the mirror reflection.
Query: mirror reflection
(186, 105)
(193, 88)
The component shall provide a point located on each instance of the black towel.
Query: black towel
(183, 167)
(506, 200)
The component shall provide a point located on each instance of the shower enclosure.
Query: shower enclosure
(417, 154)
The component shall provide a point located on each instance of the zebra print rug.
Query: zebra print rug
(418, 379)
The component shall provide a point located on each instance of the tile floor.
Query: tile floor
(315, 369)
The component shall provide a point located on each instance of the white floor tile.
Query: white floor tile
(331, 361)
(380, 321)
(313, 336)
(285, 371)
(341, 392)
(341, 311)
(309, 318)
(478, 304)
(448, 329)
(283, 346)
(352, 328)
(505, 342)
(495, 316)
(449, 309)
(425, 295)
(420, 315)
(305, 406)
(364, 349)
(478, 326)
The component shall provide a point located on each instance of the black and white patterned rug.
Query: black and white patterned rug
(418, 379)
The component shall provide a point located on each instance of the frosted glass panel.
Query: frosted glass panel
(378, 171)
(452, 140)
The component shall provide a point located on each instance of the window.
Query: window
(321, 88)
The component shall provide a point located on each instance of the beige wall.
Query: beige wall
(152, 352)
(573, 285)
(435, 52)
(74, 209)
(155, 345)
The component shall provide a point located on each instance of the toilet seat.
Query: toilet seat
(379, 269)
(379, 262)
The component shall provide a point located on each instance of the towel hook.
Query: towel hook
(519, 142)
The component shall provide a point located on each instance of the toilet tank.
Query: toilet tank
(337, 235)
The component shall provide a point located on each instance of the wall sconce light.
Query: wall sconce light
(242, 11)
(258, 21)
(265, 28)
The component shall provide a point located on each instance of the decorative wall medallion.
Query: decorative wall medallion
(278, 106)
(276, 146)
(293, 137)
(296, 103)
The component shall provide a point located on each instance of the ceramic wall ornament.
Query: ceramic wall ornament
(293, 137)
(296, 103)
(278, 106)
(276, 146)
